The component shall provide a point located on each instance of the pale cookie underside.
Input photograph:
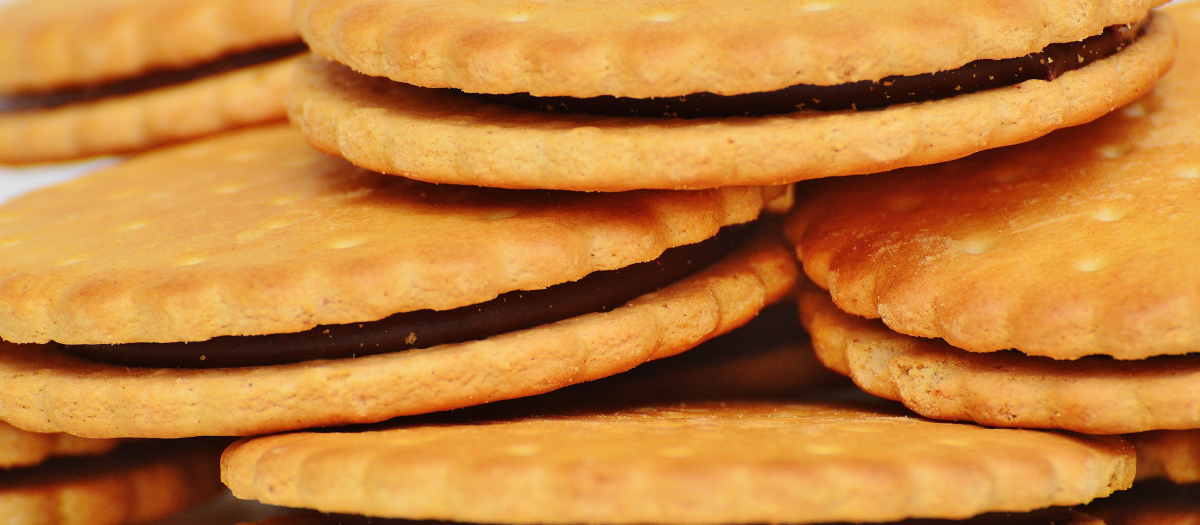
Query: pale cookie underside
(1077, 244)
(701, 463)
(645, 48)
(1170, 454)
(50, 44)
(19, 448)
(254, 232)
(49, 391)
(142, 120)
(141, 484)
(446, 137)
(1095, 395)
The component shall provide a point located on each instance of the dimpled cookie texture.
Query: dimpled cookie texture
(646, 49)
(1096, 395)
(50, 44)
(702, 463)
(256, 233)
(1073, 245)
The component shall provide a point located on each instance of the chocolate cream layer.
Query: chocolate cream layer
(512, 311)
(148, 81)
(1047, 64)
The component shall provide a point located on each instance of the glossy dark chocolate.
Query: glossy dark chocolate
(979, 75)
(597, 292)
(148, 81)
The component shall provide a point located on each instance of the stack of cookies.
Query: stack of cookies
(477, 206)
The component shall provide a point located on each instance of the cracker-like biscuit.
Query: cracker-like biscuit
(140, 483)
(250, 95)
(47, 390)
(643, 48)
(697, 463)
(256, 233)
(1096, 395)
(1170, 454)
(19, 448)
(447, 137)
(1076, 244)
(51, 44)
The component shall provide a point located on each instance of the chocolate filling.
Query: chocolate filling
(150, 80)
(517, 310)
(1048, 64)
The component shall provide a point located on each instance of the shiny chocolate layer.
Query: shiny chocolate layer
(518, 310)
(1048, 64)
(151, 80)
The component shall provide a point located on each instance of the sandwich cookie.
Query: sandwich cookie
(748, 462)
(79, 79)
(19, 448)
(140, 483)
(610, 97)
(1096, 394)
(1078, 244)
(284, 268)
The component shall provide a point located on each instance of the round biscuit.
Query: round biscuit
(732, 462)
(1096, 395)
(140, 483)
(19, 448)
(52, 44)
(47, 390)
(256, 233)
(650, 48)
(122, 124)
(444, 136)
(1076, 244)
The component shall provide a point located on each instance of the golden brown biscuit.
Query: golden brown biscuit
(19, 448)
(446, 137)
(140, 483)
(1072, 245)
(1005, 389)
(644, 49)
(698, 463)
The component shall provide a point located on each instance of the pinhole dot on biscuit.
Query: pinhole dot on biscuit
(904, 203)
(521, 450)
(1108, 215)
(1090, 264)
(977, 245)
(1134, 110)
(341, 244)
(1115, 151)
(1191, 172)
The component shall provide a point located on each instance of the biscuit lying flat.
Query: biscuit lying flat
(777, 88)
(1077, 244)
(140, 483)
(699, 463)
(82, 78)
(19, 448)
(262, 255)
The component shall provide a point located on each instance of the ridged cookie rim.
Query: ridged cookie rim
(510, 47)
(400, 472)
(443, 137)
(108, 42)
(142, 120)
(50, 391)
(1002, 389)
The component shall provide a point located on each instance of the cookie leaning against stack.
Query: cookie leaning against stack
(1075, 250)
(89, 77)
(581, 95)
(272, 262)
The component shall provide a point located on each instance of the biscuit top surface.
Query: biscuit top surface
(51, 44)
(654, 48)
(1078, 243)
(748, 461)
(255, 233)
